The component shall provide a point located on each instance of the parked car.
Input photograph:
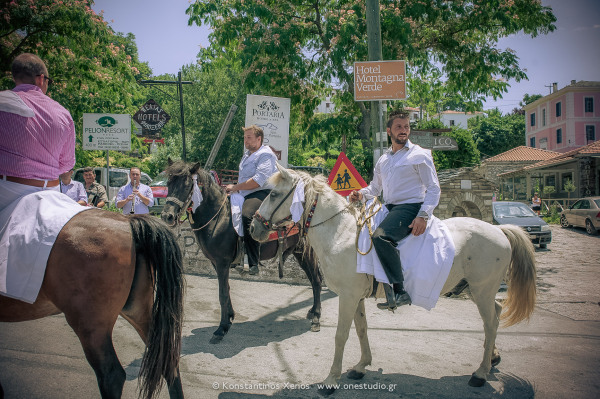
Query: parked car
(583, 213)
(118, 178)
(517, 213)
(159, 192)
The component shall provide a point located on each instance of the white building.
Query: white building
(457, 118)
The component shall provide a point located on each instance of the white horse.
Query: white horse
(485, 255)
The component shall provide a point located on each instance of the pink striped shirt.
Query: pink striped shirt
(41, 147)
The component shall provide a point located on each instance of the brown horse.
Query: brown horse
(218, 240)
(103, 265)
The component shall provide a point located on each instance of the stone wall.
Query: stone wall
(465, 193)
(196, 263)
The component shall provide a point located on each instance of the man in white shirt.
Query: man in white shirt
(411, 191)
(72, 188)
(135, 197)
(257, 165)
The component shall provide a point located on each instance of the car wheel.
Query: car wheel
(543, 246)
(589, 227)
(564, 222)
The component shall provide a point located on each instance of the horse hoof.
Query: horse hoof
(476, 381)
(496, 360)
(315, 327)
(326, 391)
(355, 375)
(216, 339)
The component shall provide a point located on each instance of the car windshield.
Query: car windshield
(513, 211)
(597, 201)
(160, 180)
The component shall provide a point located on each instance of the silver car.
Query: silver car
(583, 213)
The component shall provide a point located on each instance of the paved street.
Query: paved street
(270, 352)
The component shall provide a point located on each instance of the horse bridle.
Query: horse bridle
(182, 205)
(268, 223)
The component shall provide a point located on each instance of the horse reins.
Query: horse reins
(182, 205)
(267, 223)
(210, 220)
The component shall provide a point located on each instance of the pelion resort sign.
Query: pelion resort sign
(379, 80)
(107, 132)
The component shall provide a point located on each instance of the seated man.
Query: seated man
(257, 165)
(72, 188)
(38, 133)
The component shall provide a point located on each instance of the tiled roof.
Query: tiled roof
(590, 149)
(523, 153)
(449, 174)
(462, 112)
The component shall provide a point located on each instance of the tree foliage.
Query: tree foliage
(299, 48)
(496, 133)
(95, 69)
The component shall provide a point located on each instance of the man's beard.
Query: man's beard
(401, 140)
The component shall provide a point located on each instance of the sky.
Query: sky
(571, 52)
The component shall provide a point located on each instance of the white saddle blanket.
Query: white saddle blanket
(426, 260)
(29, 227)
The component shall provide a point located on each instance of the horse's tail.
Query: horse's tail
(158, 245)
(520, 300)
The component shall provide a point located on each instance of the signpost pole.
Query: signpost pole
(107, 169)
(375, 54)
(180, 87)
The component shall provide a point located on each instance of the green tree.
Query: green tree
(95, 69)
(299, 48)
(496, 133)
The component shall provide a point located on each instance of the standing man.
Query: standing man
(411, 191)
(37, 134)
(258, 164)
(72, 188)
(95, 191)
(135, 194)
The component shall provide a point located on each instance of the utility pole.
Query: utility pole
(375, 54)
(179, 84)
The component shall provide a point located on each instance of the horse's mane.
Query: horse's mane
(181, 168)
(313, 185)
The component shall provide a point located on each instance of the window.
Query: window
(551, 181)
(558, 136)
(451, 122)
(566, 177)
(589, 104)
(590, 133)
(532, 119)
(544, 117)
(558, 109)
(532, 142)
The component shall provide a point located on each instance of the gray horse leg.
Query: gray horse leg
(487, 306)
(360, 323)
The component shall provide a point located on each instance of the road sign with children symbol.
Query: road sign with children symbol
(344, 178)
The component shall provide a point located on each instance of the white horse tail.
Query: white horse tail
(521, 276)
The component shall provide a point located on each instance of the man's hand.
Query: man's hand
(130, 197)
(355, 196)
(418, 226)
(229, 188)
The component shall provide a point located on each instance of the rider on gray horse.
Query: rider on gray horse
(411, 191)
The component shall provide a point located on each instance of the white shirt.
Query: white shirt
(407, 176)
(140, 207)
(258, 166)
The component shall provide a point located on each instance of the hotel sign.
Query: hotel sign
(379, 80)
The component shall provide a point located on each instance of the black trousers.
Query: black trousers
(251, 204)
(385, 238)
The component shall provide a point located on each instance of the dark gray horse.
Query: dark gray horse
(218, 240)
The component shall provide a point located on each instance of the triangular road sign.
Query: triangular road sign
(344, 178)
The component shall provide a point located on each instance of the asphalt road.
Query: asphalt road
(270, 352)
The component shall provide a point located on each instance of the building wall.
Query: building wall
(457, 200)
(572, 120)
(460, 118)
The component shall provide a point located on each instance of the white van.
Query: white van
(118, 178)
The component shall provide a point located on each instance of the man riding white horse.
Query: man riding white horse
(411, 191)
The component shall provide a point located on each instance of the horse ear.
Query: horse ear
(169, 161)
(284, 172)
(194, 169)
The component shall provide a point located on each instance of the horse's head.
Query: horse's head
(180, 188)
(275, 209)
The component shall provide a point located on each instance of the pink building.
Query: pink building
(566, 119)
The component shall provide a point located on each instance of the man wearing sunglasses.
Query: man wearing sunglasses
(37, 134)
